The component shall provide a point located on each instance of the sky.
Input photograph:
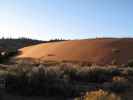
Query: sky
(68, 19)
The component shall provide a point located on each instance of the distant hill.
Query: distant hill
(13, 44)
(98, 51)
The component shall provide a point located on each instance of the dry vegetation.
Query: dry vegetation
(65, 80)
(100, 95)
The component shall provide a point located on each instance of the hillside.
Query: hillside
(11, 44)
(99, 51)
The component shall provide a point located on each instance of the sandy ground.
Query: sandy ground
(99, 51)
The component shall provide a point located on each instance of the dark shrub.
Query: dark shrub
(60, 81)
(16, 83)
(115, 50)
(115, 72)
(119, 86)
(130, 63)
(93, 75)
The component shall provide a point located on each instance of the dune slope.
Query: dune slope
(99, 51)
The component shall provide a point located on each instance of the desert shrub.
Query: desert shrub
(118, 87)
(114, 62)
(82, 64)
(12, 52)
(100, 95)
(90, 74)
(69, 73)
(39, 81)
(119, 84)
(120, 79)
(115, 50)
(64, 80)
(50, 62)
(49, 82)
(130, 63)
(25, 61)
(93, 74)
(42, 79)
(7, 54)
(115, 71)
(16, 82)
(127, 71)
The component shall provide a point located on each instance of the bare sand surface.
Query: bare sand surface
(99, 51)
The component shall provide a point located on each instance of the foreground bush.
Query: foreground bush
(61, 81)
(95, 74)
(119, 84)
(38, 81)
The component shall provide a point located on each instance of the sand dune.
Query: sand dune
(99, 51)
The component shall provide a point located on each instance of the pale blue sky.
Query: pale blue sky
(70, 19)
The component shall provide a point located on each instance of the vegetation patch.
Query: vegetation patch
(99, 95)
